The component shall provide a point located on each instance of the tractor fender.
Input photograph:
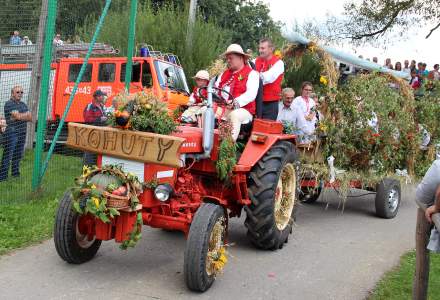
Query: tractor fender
(254, 151)
(214, 200)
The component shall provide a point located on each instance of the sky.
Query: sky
(413, 46)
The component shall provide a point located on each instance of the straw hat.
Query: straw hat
(235, 49)
(202, 74)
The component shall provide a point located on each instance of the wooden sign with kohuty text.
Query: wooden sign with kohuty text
(134, 145)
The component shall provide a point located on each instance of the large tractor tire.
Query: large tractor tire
(273, 192)
(72, 246)
(205, 254)
(388, 197)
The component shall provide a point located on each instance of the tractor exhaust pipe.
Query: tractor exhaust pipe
(208, 124)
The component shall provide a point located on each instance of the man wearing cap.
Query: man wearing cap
(196, 104)
(94, 115)
(241, 84)
(271, 70)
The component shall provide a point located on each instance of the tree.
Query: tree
(370, 19)
(248, 20)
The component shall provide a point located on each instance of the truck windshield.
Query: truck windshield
(171, 75)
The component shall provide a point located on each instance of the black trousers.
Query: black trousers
(270, 110)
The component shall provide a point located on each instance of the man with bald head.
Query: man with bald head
(290, 114)
(17, 115)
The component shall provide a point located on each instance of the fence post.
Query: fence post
(34, 91)
(421, 277)
(44, 92)
(131, 41)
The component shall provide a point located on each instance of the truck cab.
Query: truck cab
(164, 78)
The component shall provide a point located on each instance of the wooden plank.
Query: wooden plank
(421, 276)
(134, 145)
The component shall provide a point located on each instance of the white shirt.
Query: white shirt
(247, 97)
(24, 42)
(406, 70)
(305, 109)
(58, 42)
(273, 73)
(294, 116)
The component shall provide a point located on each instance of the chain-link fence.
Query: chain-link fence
(18, 48)
(38, 63)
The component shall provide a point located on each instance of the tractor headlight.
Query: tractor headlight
(163, 192)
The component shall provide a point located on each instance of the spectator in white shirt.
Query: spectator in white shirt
(307, 107)
(26, 41)
(57, 40)
(406, 67)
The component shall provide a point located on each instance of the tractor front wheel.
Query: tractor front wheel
(205, 253)
(72, 241)
(273, 193)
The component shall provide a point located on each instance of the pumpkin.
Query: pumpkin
(101, 181)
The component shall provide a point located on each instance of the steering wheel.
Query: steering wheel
(215, 97)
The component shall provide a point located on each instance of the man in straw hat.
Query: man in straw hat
(241, 82)
(271, 70)
(196, 103)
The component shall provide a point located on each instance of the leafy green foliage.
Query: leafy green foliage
(298, 70)
(226, 152)
(352, 139)
(92, 188)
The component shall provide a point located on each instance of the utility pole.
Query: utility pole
(191, 22)
(34, 91)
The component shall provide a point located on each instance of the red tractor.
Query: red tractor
(191, 198)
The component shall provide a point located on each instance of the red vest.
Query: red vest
(237, 82)
(271, 91)
(197, 95)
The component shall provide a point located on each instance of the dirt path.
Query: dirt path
(330, 256)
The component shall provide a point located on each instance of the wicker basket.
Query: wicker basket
(118, 202)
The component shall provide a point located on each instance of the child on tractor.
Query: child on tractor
(196, 103)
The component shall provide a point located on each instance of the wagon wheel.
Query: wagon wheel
(309, 194)
(72, 242)
(388, 198)
(273, 193)
(205, 254)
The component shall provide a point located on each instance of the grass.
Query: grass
(397, 284)
(26, 217)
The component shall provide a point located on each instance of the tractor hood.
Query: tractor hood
(193, 139)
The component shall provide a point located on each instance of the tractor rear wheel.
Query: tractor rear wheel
(273, 193)
(205, 253)
(73, 245)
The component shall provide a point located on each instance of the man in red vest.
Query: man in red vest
(271, 70)
(241, 84)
